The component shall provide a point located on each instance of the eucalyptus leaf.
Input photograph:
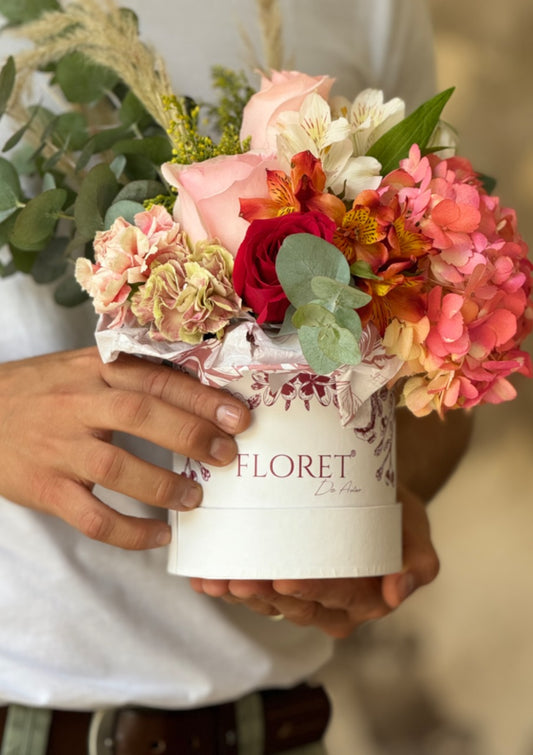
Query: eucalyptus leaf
(81, 80)
(335, 294)
(10, 190)
(315, 356)
(132, 111)
(22, 260)
(339, 345)
(138, 191)
(124, 209)
(140, 168)
(7, 269)
(35, 224)
(70, 130)
(157, 149)
(117, 166)
(417, 128)
(21, 11)
(312, 315)
(350, 320)
(100, 142)
(15, 138)
(95, 196)
(51, 262)
(49, 182)
(69, 293)
(5, 229)
(303, 256)
(7, 81)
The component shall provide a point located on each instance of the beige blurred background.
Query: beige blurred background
(451, 673)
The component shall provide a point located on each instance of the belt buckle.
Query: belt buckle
(101, 739)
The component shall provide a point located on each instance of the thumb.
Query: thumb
(420, 560)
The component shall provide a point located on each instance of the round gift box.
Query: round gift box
(305, 498)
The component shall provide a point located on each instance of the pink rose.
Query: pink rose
(286, 90)
(208, 203)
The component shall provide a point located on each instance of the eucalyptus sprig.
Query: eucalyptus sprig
(317, 281)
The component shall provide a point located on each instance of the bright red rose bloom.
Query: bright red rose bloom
(254, 274)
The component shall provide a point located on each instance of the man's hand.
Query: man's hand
(338, 606)
(57, 416)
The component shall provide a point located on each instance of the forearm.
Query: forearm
(429, 449)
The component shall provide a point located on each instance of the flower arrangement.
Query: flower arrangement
(316, 215)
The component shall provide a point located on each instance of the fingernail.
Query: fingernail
(223, 449)
(163, 537)
(406, 586)
(228, 417)
(191, 497)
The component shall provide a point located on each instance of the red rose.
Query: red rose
(254, 273)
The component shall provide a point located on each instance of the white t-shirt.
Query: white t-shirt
(85, 625)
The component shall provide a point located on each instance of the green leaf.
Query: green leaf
(69, 293)
(340, 345)
(334, 294)
(303, 256)
(329, 347)
(15, 138)
(95, 196)
(312, 315)
(157, 149)
(10, 190)
(350, 320)
(51, 262)
(138, 191)
(417, 128)
(317, 360)
(488, 182)
(361, 269)
(139, 168)
(35, 224)
(70, 130)
(7, 269)
(118, 165)
(7, 81)
(23, 261)
(100, 142)
(49, 182)
(132, 111)
(123, 209)
(21, 11)
(81, 80)
(5, 229)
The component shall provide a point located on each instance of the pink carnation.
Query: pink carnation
(122, 258)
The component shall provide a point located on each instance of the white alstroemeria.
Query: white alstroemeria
(358, 174)
(369, 116)
(330, 140)
(311, 128)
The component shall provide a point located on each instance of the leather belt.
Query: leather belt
(290, 718)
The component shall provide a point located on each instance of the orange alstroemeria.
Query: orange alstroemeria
(361, 230)
(393, 295)
(302, 191)
(406, 243)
